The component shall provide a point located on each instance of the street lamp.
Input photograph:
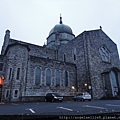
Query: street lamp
(73, 88)
(86, 88)
(85, 84)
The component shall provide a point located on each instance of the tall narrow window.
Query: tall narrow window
(37, 76)
(48, 77)
(64, 58)
(74, 54)
(74, 57)
(7, 93)
(18, 74)
(10, 74)
(66, 78)
(16, 93)
(57, 78)
(1, 66)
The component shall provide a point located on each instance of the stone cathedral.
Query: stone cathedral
(66, 64)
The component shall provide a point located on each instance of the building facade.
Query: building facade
(66, 64)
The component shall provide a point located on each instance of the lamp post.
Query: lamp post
(86, 87)
(73, 89)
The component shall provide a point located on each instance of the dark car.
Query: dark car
(83, 96)
(52, 97)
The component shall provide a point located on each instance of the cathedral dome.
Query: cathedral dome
(59, 35)
(61, 28)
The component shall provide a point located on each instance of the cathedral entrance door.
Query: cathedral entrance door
(114, 85)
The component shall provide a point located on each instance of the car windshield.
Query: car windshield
(56, 94)
(84, 93)
(79, 94)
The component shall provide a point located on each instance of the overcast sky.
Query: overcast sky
(32, 20)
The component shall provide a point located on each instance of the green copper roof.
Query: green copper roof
(61, 28)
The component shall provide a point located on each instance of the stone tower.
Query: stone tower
(6, 42)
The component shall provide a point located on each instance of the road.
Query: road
(61, 108)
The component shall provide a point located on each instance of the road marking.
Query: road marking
(14, 104)
(112, 105)
(94, 107)
(32, 110)
(65, 108)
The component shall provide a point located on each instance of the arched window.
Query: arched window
(37, 76)
(57, 77)
(66, 78)
(105, 54)
(48, 77)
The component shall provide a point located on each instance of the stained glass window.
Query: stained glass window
(37, 76)
(105, 54)
(18, 74)
(66, 78)
(48, 77)
(57, 78)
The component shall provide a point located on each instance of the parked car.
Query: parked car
(83, 96)
(52, 97)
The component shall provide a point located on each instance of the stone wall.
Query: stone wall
(77, 43)
(89, 63)
(36, 50)
(27, 57)
(80, 58)
(17, 56)
(44, 64)
(3, 61)
(95, 39)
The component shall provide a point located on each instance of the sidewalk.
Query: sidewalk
(2, 103)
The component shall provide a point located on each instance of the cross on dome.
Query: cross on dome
(60, 19)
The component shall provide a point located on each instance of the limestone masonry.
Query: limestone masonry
(66, 64)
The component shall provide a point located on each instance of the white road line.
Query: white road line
(32, 110)
(112, 105)
(65, 108)
(14, 104)
(94, 107)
